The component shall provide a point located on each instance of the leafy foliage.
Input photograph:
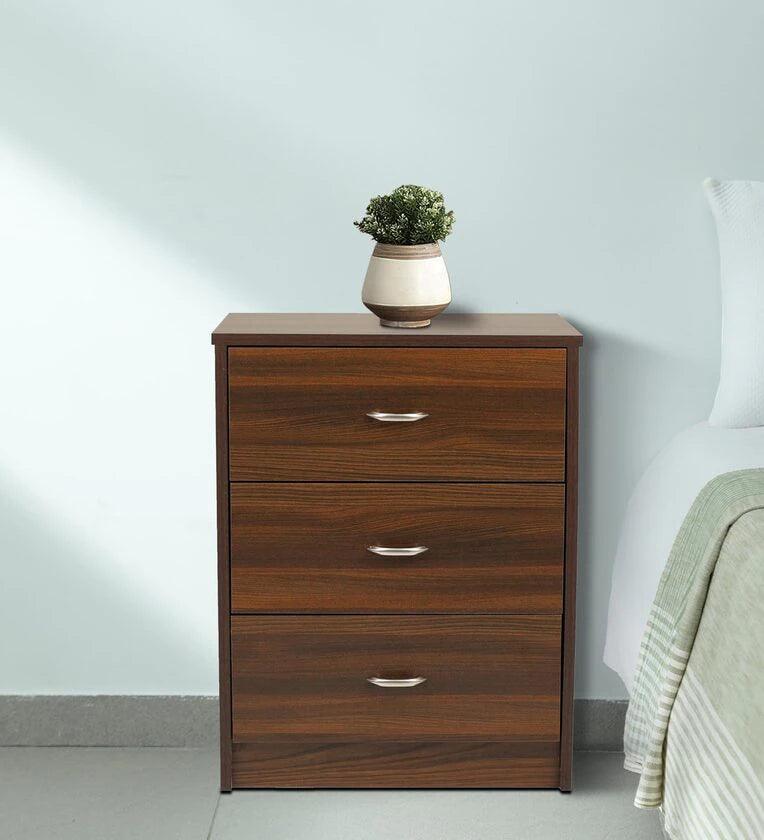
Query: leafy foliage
(410, 215)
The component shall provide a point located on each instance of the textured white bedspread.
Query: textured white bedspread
(654, 515)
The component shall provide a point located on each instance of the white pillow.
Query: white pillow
(738, 207)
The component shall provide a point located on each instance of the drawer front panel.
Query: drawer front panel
(491, 548)
(301, 414)
(306, 677)
(397, 764)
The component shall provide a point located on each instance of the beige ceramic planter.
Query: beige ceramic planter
(406, 285)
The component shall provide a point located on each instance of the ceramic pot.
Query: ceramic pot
(406, 285)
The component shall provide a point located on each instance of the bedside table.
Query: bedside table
(397, 551)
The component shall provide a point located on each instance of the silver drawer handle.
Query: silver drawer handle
(408, 683)
(388, 551)
(385, 417)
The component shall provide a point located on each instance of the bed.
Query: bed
(686, 619)
(686, 634)
(654, 515)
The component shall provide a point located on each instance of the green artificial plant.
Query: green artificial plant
(409, 215)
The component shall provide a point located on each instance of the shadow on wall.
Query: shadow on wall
(53, 568)
(171, 119)
(246, 137)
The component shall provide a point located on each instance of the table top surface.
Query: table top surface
(362, 330)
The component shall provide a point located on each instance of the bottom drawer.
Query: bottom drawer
(396, 701)
(397, 764)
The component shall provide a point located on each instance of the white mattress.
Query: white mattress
(654, 515)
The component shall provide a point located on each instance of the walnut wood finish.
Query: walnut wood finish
(497, 708)
(359, 330)
(224, 597)
(302, 548)
(306, 677)
(571, 545)
(397, 764)
(301, 414)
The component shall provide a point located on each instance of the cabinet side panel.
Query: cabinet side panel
(571, 542)
(224, 586)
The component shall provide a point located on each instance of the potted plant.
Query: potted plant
(407, 282)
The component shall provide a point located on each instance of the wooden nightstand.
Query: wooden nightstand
(397, 551)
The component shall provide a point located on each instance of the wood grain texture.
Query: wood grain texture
(492, 548)
(391, 764)
(406, 252)
(306, 677)
(571, 552)
(301, 414)
(496, 710)
(361, 330)
(224, 592)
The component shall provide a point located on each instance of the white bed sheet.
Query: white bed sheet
(654, 515)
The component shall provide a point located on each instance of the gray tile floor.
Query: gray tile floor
(163, 794)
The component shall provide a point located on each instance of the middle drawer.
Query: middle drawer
(357, 548)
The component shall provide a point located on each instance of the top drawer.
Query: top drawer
(302, 414)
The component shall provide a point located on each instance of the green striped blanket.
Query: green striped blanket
(695, 724)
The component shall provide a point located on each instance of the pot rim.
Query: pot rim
(406, 252)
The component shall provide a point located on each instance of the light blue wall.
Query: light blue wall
(163, 163)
